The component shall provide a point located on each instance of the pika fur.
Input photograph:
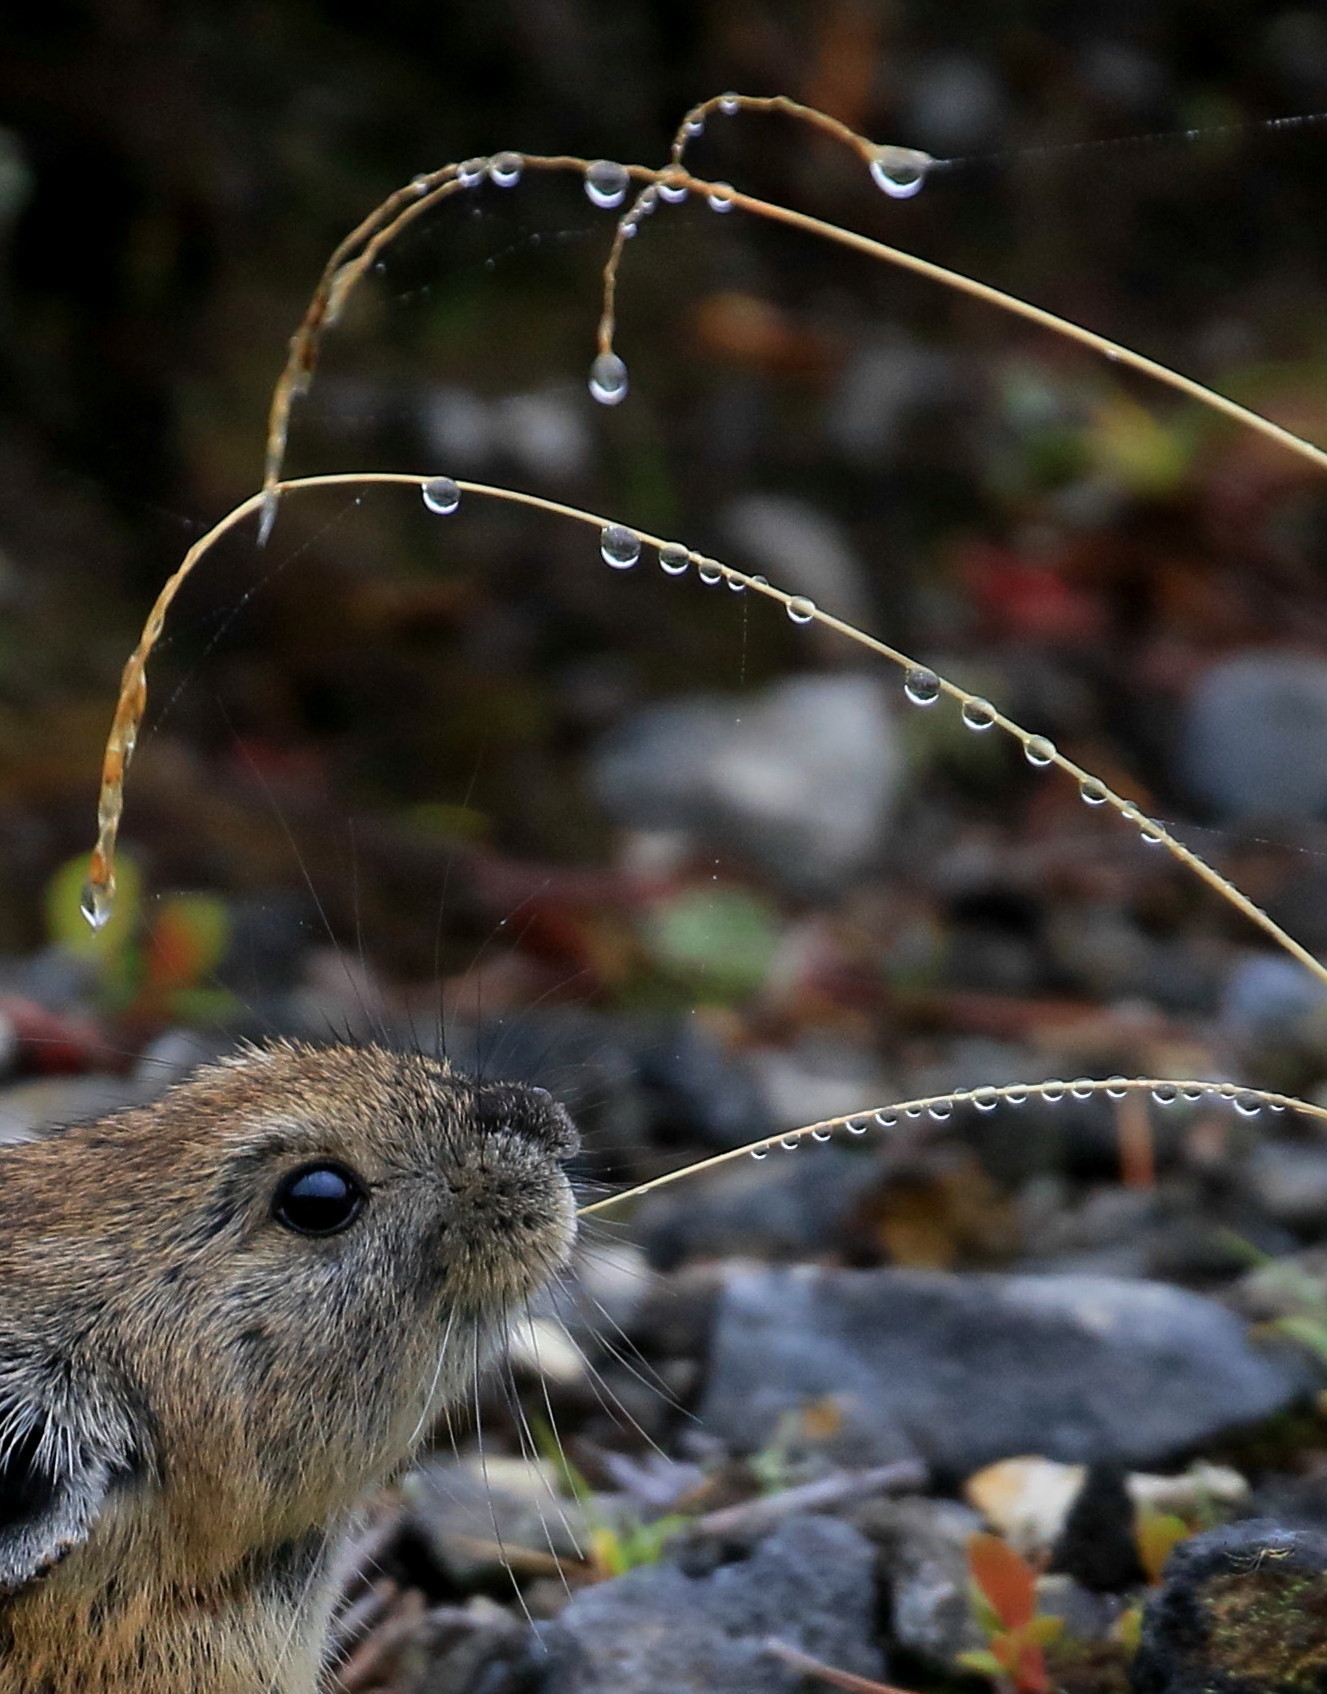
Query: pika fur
(194, 1390)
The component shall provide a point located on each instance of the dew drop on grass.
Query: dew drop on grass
(1165, 1094)
(736, 583)
(606, 183)
(859, 1126)
(673, 559)
(1039, 751)
(1091, 792)
(1082, 1089)
(627, 228)
(1052, 1091)
(800, 609)
(96, 905)
(921, 686)
(985, 1099)
(913, 1112)
(1248, 1105)
(694, 127)
(505, 169)
(790, 1143)
(720, 197)
(977, 714)
(441, 495)
(710, 572)
(1193, 1093)
(472, 172)
(608, 379)
(729, 103)
(1151, 832)
(760, 1152)
(822, 1134)
(1116, 1088)
(673, 191)
(882, 1120)
(1016, 1097)
(647, 203)
(900, 171)
(941, 1110)
(619, 546)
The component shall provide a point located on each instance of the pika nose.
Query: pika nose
(526, 1110)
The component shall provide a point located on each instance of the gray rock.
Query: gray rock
(1254, 736)
(961, 1370)
(923, 1545)
(800, 778)
(659, 1631)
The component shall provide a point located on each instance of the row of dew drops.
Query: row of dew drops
(987, 1099)
(620, 548)
(899, 172)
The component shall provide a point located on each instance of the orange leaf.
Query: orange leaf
(1007, 1581)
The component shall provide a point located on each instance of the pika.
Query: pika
(223, 1317)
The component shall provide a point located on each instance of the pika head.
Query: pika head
(222, 1318)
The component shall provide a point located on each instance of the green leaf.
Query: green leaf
(980, 1659)
(68, 928)
(721, 939)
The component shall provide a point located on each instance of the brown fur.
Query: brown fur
(216, 1390)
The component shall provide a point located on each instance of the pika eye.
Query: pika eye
(318, 1199)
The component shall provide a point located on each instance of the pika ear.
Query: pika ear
(53, 1484)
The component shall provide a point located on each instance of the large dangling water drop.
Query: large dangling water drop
(619, 546)
(606, 183)
(921, 686)
(900, 172)
(96, 904)
(441, 495)
(608, 379)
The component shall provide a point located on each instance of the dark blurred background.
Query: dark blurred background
(495, 764)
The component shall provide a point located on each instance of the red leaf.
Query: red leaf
(1008, 1582)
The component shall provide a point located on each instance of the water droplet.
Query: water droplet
(1116, 1088)
(941, 1110)
(1091, 792)
(694, 127)
(1193, 1092)
(441, 495)
(505, 169)
(96, 905)
(760, 1152)
(977, 714)
(985, 1099)
(921, 686)
(1165, 1093)
(673, 559)
(790, 1143)
(710, 571)
(820, 1133)
(859, 1126)
(1248, 1105)
(1227, 1091)
(720, 197)
(619, 545)
(913, 1112)
(672, 190)
(736, 583)
(800, 609)
(606, 183)
(420, 185)
(900, 171)
(729, 103)
(1082, 1089)
(608, 379)
(1040, 752)
(647, 203)
(627, 228)
(1151, 832)
(884, 1120)
(472, 172)
(1016, 1097)
(1052, 1091)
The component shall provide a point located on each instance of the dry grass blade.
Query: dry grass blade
(845, 1679)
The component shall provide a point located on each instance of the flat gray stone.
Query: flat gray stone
(962, 1370)
(658, 1631)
